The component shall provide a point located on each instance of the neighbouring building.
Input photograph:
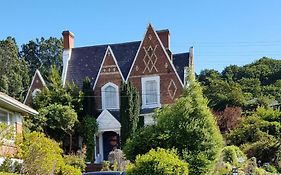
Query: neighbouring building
(149, 64)
(36, 86)
(12, 113)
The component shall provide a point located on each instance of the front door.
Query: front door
(110, 141)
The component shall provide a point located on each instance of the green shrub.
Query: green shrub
(76, 161)
(158, 162)
(69, 170)
(9, 166)
(2, 173)
(189, 126)
(270, 168)
(233, 154)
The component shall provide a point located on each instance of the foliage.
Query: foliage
(259, 135)
(42, 155)
(228, 118)
(69, 170)
(233, 155)
(57, 118)
(6, 133)
(76, 161)
(144, 140)
(189, 126)
(14, 78)
(88, 130)
(58, 107)
(4, 173)
(247, 86)
(129, 111)
(88, 99)
(158, 162)
(10, 166)
(42, 53)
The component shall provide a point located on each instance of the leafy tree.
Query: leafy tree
(259, 135)
(228, 118)
(189, 126)
(88, 130)
(14, 78)
(247, 86)
(88, 100)
(42, 53)
(158, 162)
(59, 119)
(129, 111)
(58, 107)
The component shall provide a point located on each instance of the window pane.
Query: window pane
(110, 97)
(151, 92)
(3, 117)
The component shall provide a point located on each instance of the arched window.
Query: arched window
(110, 96)
(35, 92)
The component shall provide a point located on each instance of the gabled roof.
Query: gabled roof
(107, 122)
(37, 73)
(86, 61)
(181, 61)
(9, 103)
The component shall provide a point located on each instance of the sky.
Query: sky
(223, 32)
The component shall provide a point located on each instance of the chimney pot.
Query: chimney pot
(68, 39)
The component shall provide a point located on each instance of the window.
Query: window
(150, 92)
(35, 93)
(110, 96)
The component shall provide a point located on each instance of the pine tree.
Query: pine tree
(191, 128)
(129, 111)
(14, 79)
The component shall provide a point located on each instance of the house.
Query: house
(11, 113)
(149, 64)
(37, 84)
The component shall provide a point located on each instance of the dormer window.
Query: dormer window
(110, 96)
(150, 92)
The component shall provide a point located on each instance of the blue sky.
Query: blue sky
(223, 32)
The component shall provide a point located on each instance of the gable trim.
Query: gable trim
(116, 124)
(167, 56)
(135, 58)
(105, 55)
(163, 48)
(37, 72)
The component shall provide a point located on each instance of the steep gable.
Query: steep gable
(37, 84)
(153, 60)
(109, 72)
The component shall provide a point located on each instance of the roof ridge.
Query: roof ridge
(180, 53)
(105, 45)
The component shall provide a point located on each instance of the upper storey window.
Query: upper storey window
(110, 96)
(150, 92)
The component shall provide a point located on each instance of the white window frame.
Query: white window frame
(35, 93)
(103, 95)
(143, 81)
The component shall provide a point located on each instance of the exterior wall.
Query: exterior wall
(8, 148)
(152, 61)
(36, 84)
(109, 73)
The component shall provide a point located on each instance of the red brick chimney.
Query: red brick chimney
(68, 39)
(164, 36)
